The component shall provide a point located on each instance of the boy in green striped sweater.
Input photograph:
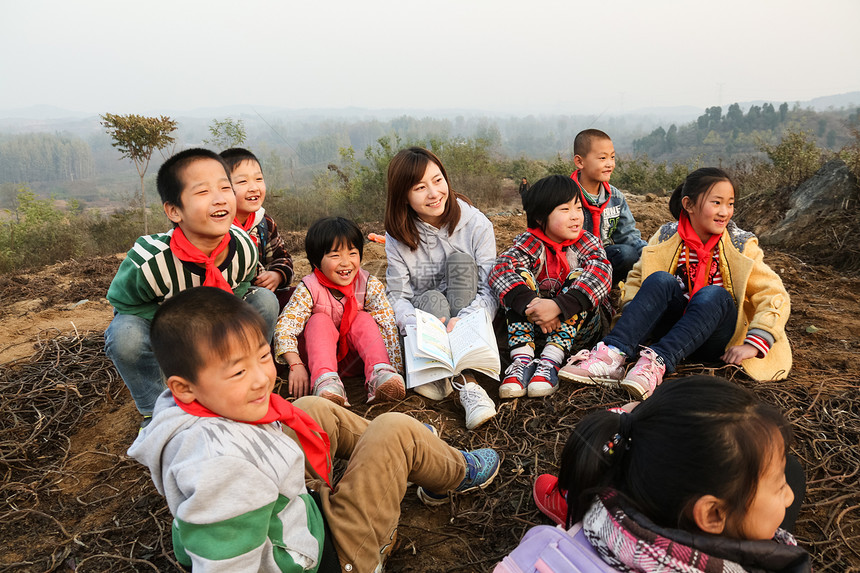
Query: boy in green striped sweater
(202, 248)
(232, 458)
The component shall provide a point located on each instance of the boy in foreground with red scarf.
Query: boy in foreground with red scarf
(554, 279)
(202, 248)
(275, 270)
(607, 215)
(232, 458)
(337, 319)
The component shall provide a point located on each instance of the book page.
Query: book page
(431, 338)
(420, 370)
(471, 332)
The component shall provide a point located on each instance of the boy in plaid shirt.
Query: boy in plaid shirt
(554, 278)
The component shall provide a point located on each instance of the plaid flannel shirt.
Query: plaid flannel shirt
(528, 252)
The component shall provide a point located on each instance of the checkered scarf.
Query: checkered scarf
(631, 543)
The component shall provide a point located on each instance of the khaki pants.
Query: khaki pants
(364, 507)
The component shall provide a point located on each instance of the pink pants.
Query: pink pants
(363, 339)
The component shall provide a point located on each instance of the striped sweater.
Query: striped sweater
(151, 273)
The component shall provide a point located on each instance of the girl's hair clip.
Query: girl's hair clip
(610, 446)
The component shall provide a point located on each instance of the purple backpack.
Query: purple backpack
(547, 549)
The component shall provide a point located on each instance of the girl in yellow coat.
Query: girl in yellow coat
(700, 289)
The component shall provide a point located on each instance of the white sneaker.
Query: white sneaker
(438, 390)
(474, 399)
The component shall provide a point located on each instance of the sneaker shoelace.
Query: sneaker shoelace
(544, 369)
(517, 368)
(582, 356)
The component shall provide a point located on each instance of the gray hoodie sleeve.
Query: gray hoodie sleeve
(397, 283)
(484, 251)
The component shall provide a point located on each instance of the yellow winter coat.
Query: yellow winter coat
(758, 292)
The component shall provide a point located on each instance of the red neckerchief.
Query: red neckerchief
(595, 210)
(557, 266)
(250, 223)
(350, 308)
(313, 440)
(703, 252)
(186, 252)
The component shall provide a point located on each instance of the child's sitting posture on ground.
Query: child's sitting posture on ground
(203, 248)
(343, 318)
(230, 456)
(276, 266)
(697, 478)
(554, 277)
(606, 212)
(702, 290)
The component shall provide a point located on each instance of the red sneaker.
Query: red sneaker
(549, 499)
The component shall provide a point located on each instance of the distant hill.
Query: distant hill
(850, 99)
(11, 118)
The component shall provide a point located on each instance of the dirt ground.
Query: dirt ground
(73, 501)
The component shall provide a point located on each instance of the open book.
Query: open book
(433, 353)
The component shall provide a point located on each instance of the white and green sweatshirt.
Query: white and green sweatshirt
(151, 273)
(236, 491)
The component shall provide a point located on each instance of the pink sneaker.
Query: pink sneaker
(645, 376)
(386, 385)
(602, 365)
(549, 499)
(330, 387)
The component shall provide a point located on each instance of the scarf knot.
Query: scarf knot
(704, 253)
(186, 252)
(557, 265)
(596, 211)
(252, 221)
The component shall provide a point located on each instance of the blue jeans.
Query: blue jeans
(622, 258)
(702, 326)
(127, 345)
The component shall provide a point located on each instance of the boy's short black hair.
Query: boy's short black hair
(169, 181)
(198, 323)
(583, 140)
(329, 233)
(543, 197)
(236, 155)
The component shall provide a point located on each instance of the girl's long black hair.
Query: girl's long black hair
(695, 436)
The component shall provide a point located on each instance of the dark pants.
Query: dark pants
(622, 258)
(700, 327)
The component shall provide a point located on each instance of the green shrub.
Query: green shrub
(795, 158)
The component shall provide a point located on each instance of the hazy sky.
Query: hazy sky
(493, 55)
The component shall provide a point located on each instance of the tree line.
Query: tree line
(717, 135)
(44, 157)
